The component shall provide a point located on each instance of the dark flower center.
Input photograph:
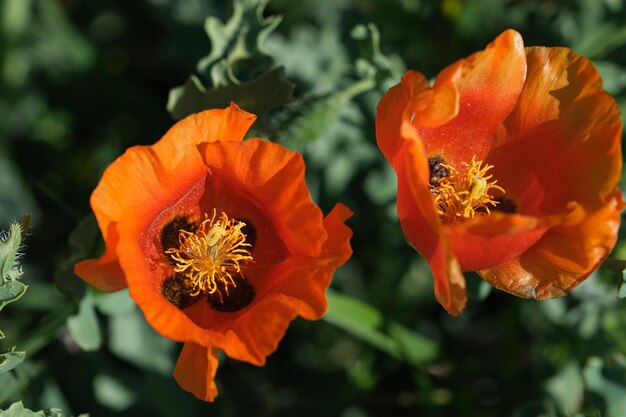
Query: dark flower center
(207, 261)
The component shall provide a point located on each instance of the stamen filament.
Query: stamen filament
(211, 256)
(459, 197)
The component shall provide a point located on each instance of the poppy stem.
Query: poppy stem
(618, 265)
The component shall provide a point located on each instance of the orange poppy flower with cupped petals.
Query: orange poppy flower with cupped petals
(218, 241)
(508, 165)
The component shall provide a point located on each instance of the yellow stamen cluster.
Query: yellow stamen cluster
(211, 256)
(459, 197)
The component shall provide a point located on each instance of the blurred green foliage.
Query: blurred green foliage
(81, 81)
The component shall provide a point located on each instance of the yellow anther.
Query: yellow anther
(211, 256)
(459, 197)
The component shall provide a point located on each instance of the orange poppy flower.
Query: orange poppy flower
(507, 165)
(217, 240)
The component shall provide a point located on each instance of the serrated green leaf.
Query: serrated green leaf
(9, 247)
(10, 360)
(10, 292)
(266, 92)
(386, 70)
(232, 68)
(240, 39)
(84, 326)
(17, 410)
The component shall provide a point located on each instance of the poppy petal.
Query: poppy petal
(161, 174)
(272, 184)
(420, 223)
(488, 86)
(301, 283)
(254, 338)
(491, 240)
(104, 273)
(573, 128)
(306, 279)
(195, 371)
(563, 258)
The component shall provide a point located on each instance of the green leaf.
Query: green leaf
(413, 347)
(266, 92)
(310, 118)
(601, 40)
(614, 393)
(386, 70)
(113, 303)
(11, 291)
(613, 76)
(9, 247)
(84, 242)
(238, 68)
(17, 410)
(621, 289)
(239, 39)
(16, 197)
(132, 339)
(367, 324)
(10, 360)
(567, 388)
(113, 393)
(9, 386)
(84, 326)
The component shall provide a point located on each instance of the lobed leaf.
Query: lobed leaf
(10, 360)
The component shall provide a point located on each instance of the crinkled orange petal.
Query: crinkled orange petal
(432, 107)
(490, 240)
(420, 223)
(388, 119)
(563, 258)
(104, 273)
(419, 103)
(489, 85)
(266, 171)
(256, 335)
(301, 283)
(195, 371)
(573, 128)
(307, 279)
(161, 174)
